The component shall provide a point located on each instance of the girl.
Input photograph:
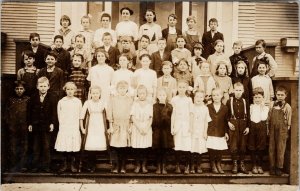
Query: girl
(217, 131)
(118, 114)
(218, 56)
(171, 32)
(101, 74)
(123, 74)
(181, 125)
(205, 82)
(151, 29)
(197, 59)
(78, 76)
(201, 119)
(68, 139)
(162, 137)
(94, 130)
(181, 52)
(192, 36)
(223, 81)
(144, 44)
(183, 72)
(141, 135)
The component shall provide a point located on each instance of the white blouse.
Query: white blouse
(258, 113)
(127, 28)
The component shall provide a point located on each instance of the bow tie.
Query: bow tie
(278, 103)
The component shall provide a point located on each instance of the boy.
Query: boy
(159, 57)
(144, 42)
(210, 37)
(238, 127)
(280, 118)
(37, 49)
(258, 130)
(167, 81)
(126, 49)
(237, 56)
(29, 73)
(171, 32)
(105, 27)
(80, 49)
(16, 119)
(113, 53)
(41, 118)
(66, 32)
(87, 33)
(54, 74)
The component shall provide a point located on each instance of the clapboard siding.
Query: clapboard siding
(246, 23)
(20, 19)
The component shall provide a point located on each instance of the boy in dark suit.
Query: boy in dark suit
(41, 118)
(210, 37)
(37, 49)
(171, 32)
(113, 53)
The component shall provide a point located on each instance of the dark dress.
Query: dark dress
(161, 125)
(234, 59)
(78, 76)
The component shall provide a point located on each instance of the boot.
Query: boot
(213, 167)
(192, 168)
(64, 166)
(235, 167)
(219, 167)
(137, 167)
(158, 169)
(123, 167)
(199, 169)
(73, 165)
(164, 170)
(177, 169)
(187, 169)
(144, 166)
(243, 168)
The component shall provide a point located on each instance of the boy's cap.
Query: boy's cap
(198, 45)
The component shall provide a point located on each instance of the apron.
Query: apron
(191, 40)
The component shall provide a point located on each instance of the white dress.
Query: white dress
(182, 108)
(148, 78)
(68, 137)
(120, 75)
(200, 120)
(142, 115)
(96, 140)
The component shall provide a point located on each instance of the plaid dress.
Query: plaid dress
(78, 76)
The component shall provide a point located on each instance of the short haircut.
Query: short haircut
(146, 37)
(258, 91)
(105, 15)
(28, 53)
(43, 79)
(173, 16)
(212, 20)
(218, 41)
(145, 55)
(218, 66)
(238, 84)
(150, 10)
(126, 56)
(191, 17)
(238, 43)
(78, 55)
(80, 36)
(122, 83)
(217, 89)
(262, 42)
(19, 83)
(33, 35)
(167, 63)
(106, 34)
(65, 17)
(260, 62)
(86, 17)
(162, 39)
(69, 84)
(58, 37)
(282, 89)
(199, 92)
(51, 53)
(180, 36)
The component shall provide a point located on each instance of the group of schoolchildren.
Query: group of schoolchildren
(106, 94)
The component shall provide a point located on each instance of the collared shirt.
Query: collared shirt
(258, 113)
(42, 97)
(265, 82)
(50, 69)
(172, 30)
(34, 49)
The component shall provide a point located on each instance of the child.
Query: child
(217, 131)
(171, 32)
(37, 49)
(87, 33)
(113, 53)
(181, 125)
(218, 56)
(236, 57)
(167, 81)
(144, 43)
(192, 36)
(80, 48)
(183, 72)
(181, 52)
(205, 82)
(238, 127)
(147, 77)
(159, 57)
(105, 21)
(162, 139)
(94, 130)
(66, 32)
(197, 59)
(122, 74)
(260, 47)
(258, 130)
(78, 76)
(101, 74)
(223, 81)
(280, 118)
(41, 119)
(29, 73)
(54, 74)
(201, 119)
(141, 132)
(126, 49)
(118, 114)
(264, 81)
(68, 139)
(16, 119)
(209, 38)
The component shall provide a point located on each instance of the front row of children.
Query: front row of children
(189, 128)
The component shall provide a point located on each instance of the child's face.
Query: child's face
(79, 42)
(105, 22)
(149, 16)
(123, 61)
(107, 40)
(58, 43)
(237, 49)
(125, 15)
(259, 49)
(205, 68)
(28, 61)
(43, 87)
(238, 91)
(182, 88)
(162, 96)
(100, 58)
(19, 90)
(216, 96)
(144, 43)
(95, 94)
(145, 61)
(191, 23)
(240, 69)
(70, 90)
(35, 41)
(219, 47)
(161, 45)
(262, 69)
(65, 23)
(180, 43)
(50, 61)
(280, 95)
(166, 69)
(258, 99)
(76, 61)
(142, 94)
(199, 97)
(222, 70)
(85, 22)
(198, 52)
(172, 21)
(125, 44)
(182, 66)
(122, 90)
(213, 26)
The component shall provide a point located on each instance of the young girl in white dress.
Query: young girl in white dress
(181, 125)
(68, 139)
(199, 132)
(141, 135)
(94, 129)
